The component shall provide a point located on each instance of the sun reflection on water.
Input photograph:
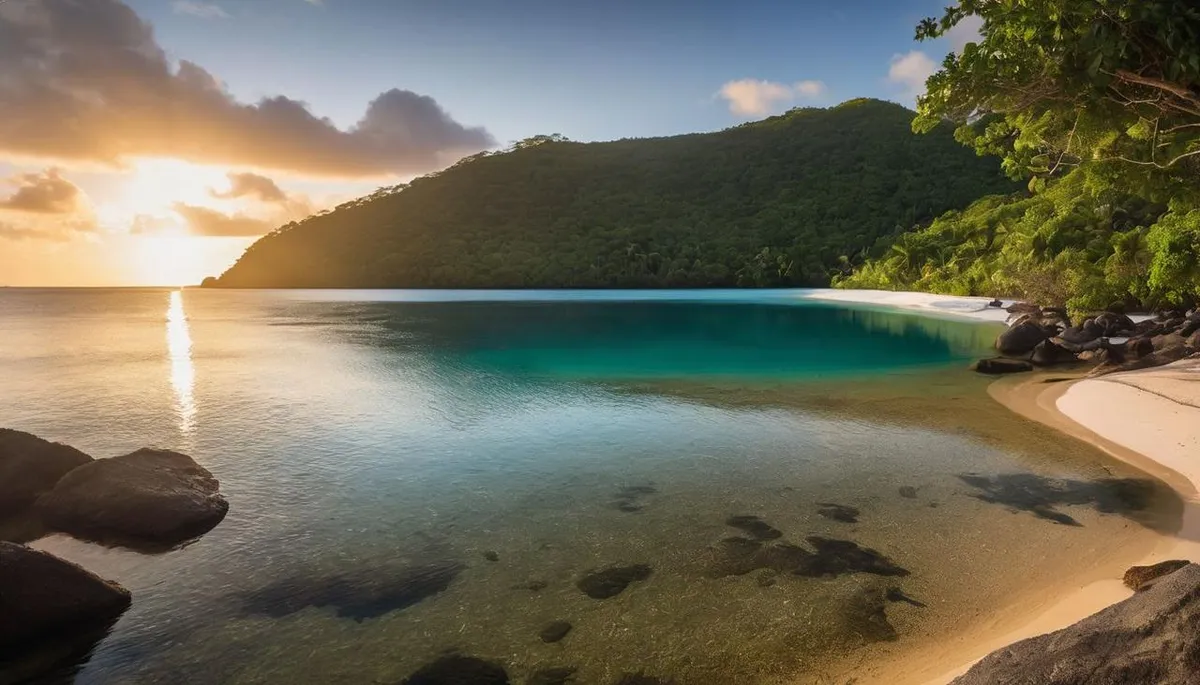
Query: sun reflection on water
(183, 372)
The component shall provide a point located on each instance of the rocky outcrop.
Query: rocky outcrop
(1142, 577)
(1023, 336)
(147, 499)
(30, 466)
(1000, 365)
(1110, 340)
(1152, 637)
(42, 595)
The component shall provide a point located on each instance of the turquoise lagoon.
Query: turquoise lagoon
(414, 475)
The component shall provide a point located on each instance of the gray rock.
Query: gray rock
(1022, 337)
(30, 466)
(1049, 354)
(1152, 637)
(1000, 365)
(1114, 324)
(1022, 308)
(1142, 577)
(1162, 342)
(149, 498)
(1084, 333)
(44, 596)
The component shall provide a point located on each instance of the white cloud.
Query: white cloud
(965, 31)
(757, 98)
(910, 71)
(204, 10)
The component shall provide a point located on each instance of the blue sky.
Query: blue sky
(592, 71)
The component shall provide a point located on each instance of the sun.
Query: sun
(156, 184)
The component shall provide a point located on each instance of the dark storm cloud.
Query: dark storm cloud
(86, 80)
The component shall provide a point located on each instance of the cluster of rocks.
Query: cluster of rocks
(1111, 340)
(149, 500)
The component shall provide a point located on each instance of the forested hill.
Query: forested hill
(779, 202)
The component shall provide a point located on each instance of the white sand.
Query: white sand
(971, 307)
(1155, 412)
(1150, 418)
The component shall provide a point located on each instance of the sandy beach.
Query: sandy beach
(1149, 419)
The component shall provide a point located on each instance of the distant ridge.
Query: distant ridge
(779, 202)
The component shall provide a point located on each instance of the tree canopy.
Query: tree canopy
(781, 202)
(1097, 104)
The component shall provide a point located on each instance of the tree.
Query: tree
(1054, 84)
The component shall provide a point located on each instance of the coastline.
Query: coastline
(1145, 429)
(1149, 419)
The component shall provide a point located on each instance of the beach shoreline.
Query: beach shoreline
(1083, 408)
(1148, 419)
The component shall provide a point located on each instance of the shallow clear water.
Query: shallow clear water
(360, 435)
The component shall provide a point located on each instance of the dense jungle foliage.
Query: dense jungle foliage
(781, 202)
(1097, 104)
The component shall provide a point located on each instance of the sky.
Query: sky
(149, 142)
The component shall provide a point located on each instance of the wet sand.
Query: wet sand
(1151, 410)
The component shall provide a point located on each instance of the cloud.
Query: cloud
(251, 185)
(910, 71)
(85, 80)
(204, 10)
(756, 98)
(210, 222)
(43, 193)
(965, 31)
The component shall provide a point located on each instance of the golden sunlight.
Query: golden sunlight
(183, 373)
(156, 184)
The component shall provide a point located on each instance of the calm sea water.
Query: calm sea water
(413, 475)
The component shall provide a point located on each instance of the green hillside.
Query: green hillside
(782, 202)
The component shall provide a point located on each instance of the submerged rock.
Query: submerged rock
(611, 582)
(358, 595)
(738, 556)
(43, 596)
(838, 557)
(630, 498)
(865, 615)
(555, 631)
(455, 669)
(640, 678)
(754, 527)
(1152, 637)
(148, 498)
(1142, 577)
(30, 466)
(560, 675)
(838, 512)
(1040, 495)
(1000, 365)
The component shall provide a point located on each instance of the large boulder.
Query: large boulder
(150, 498)
(1152, 637)
(1022, 337)
(1048, 354)
(1086, 332)
(30, 466)
(1023, 308)
(44, 596)
(1114, 325)
(1000, 365)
